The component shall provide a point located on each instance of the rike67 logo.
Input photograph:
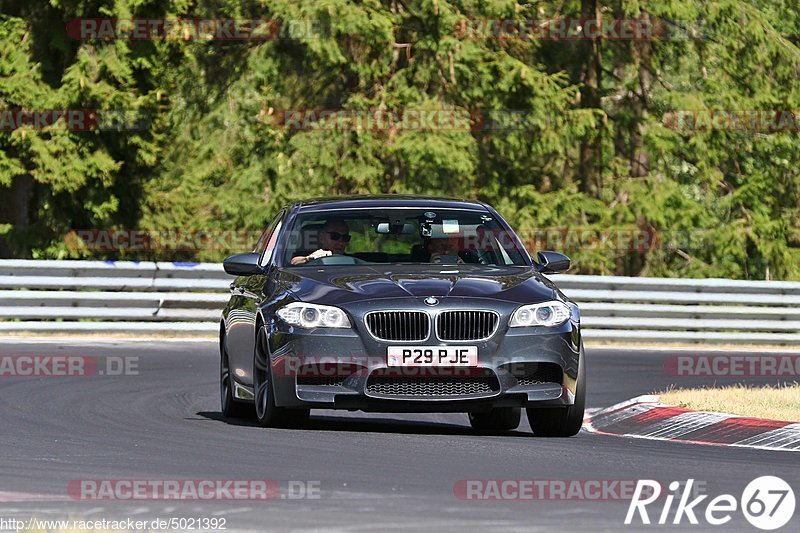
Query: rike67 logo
(767, 502)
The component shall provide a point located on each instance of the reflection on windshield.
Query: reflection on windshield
(388, 236)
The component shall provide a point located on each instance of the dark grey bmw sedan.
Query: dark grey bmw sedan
(400, 304)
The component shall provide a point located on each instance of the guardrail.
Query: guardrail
(121, 297)
(107, 296)
(627, 309)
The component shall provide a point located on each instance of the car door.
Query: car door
(247, 292)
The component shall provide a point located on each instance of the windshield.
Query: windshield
(387, 236)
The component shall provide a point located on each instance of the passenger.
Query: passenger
(444, 250)
(481, 248)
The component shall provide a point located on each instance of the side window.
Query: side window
(267, 241)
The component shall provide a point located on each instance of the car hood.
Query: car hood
(342, 284)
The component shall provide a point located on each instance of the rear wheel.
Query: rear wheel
(267, 413)
(230, 406)
(497, 420)
(562, 421)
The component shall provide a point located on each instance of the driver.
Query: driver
(333, 239)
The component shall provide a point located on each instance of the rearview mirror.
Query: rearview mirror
(394, 229)
(552, 262)
(245, 264)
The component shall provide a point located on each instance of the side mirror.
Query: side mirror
(552, 262)
(243, 264)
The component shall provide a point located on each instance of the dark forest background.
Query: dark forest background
(592, 144)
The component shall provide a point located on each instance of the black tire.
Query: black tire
(562, 421)
(267, 413)
(230, 406)
(497, 420)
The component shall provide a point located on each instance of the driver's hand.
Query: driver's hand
(319, 253)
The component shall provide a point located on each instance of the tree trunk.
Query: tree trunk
(640, 159)
(15, 210)
(589, 158)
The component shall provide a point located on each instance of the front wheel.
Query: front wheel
(497, 420)
(267, 413)
(562, 421)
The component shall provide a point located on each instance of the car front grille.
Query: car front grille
(466, 325)
(398, 325)
(478, 383)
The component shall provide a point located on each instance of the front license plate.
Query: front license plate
(432, 356)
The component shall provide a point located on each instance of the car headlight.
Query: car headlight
(553, 313)
(313, 316)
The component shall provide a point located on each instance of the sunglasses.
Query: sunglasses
(335, 236)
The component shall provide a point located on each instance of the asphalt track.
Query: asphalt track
(375, 471)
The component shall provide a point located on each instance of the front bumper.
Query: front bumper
(347, 369)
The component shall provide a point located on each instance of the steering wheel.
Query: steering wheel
(336, 259)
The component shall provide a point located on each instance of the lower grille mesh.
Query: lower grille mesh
(484, 383)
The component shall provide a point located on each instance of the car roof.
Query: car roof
(386, 200)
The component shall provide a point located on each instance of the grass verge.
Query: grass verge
(776, 403)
